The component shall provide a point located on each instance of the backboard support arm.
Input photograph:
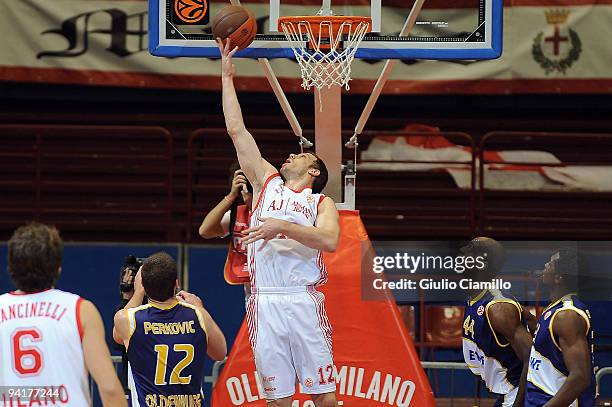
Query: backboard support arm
(284, 103)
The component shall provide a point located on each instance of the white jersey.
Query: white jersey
(283, 262)
(40, 350)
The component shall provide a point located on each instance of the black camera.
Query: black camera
(131, 265)
(249, 187)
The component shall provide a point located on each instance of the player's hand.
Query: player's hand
(190, 299)
(227, 66)
(138, 287)
(239, 184)
(531, 320)
(269, 229)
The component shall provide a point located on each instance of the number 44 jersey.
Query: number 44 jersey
(41, 358)
(486, 353)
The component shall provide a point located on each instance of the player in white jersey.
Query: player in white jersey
(49, 339)
(291, 224)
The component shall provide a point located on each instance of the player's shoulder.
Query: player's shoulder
(573, 301)
(503, 303)
(65, 294)
(196, 311)
(188, 306)
(324, 202)
(503, 297)
(272, 181)
(272, 178)
(578, 312)
(5, 296)
(131, 313)
(139, 308)
(567, 321)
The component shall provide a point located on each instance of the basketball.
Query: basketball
(236, 24)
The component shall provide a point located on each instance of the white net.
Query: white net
(326, 52)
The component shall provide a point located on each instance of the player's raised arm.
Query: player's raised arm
(505, 319)
(121, 323)
(217, 221)
(252, 163)
(217, 345)
(323, 236)
(571, 329)
(98, 359)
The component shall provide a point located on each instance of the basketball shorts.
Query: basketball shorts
(291, 340)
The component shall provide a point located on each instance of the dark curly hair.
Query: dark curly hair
(159, 275)
(35, 257)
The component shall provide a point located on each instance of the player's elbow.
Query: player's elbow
(206, 233)
(582, 380)
(331, 243)
(217, 354)
(235, 129)
(233, 132)
(217, 345)
(219, 350)
(329, 247)
(111, 393)
(117, 323)
(116, 337)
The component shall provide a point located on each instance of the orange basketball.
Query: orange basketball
(236, 24)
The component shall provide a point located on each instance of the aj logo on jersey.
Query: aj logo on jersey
(276, 205)
(294, 206)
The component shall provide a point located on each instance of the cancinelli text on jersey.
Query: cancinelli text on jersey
(32, 309)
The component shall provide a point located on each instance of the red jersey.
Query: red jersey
(236, 270)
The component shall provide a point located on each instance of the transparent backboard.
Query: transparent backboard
(464, 29)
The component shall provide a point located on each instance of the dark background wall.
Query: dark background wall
(57, 103)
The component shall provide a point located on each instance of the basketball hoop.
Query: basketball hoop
(325, 46)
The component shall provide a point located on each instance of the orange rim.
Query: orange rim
(336, 21)
(320, 28)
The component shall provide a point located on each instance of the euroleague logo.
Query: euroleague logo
(190, 11)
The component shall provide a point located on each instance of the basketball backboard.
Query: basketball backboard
(466, 29)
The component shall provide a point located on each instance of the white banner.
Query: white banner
(104, 42)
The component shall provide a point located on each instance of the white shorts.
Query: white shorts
(291, 340)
